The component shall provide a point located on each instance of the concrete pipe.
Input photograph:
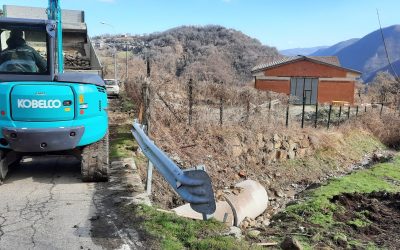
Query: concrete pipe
(251, 202)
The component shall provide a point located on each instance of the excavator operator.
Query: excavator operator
(20, 57)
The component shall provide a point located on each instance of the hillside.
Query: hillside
(327, 51)
(210, 53)
(368, 54)
(396, 66)
(301, 51)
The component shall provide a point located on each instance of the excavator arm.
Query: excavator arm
(54, 13)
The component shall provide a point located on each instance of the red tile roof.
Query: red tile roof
(329, 60)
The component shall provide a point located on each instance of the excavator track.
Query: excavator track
(95, 161)
(3, 167)
(7, 159)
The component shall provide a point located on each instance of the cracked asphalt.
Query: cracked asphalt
(45, 205)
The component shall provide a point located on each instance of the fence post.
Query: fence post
(303, 111)
(146, 123)
(316, 115)
(365, 111)
(146, 104)
(190, 95)
(221, 110)
(287, 115)
(380, 113)
(357, 111)
(329, 115)
(348, 113)
(247, 110)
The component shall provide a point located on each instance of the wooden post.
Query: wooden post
(357, 111)
(287, 115)
(329, 115)
(190, 96)
(348, 113)
(316, 115)
(146, 122)
(380, 113)
(221, 110)
(303, 111)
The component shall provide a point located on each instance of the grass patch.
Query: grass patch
(122, 143)
(319, 215)
(173, 232)
(319, 210)
(359, 223)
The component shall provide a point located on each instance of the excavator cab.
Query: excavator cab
(26, 49)
(44, 110)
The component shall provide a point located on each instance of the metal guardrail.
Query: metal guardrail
(193, 185)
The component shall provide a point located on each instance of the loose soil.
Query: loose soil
(382, 215)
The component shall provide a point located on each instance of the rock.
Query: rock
(277, 145)
(279, 193)
(252, 223)
(244, 224)
(291, 154)
(285, 145)
(281, 155)
(242, 174)
(266, 222)
(292, 145)
(269, 146)
(260, 140)
(253, 234)
(290, 243)
(235, 232)
(276, 138)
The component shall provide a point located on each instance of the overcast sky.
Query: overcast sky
(280, 23)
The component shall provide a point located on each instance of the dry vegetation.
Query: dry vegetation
(236, 131)
(253, 141)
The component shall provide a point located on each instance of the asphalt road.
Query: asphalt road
(44, 205)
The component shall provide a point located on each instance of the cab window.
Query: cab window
(23, 51)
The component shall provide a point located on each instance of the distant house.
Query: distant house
(317, 79)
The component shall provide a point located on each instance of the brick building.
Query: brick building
(318, 79)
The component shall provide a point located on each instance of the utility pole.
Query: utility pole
(114, 50)
(126, 73)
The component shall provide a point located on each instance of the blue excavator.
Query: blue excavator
(45, 110)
